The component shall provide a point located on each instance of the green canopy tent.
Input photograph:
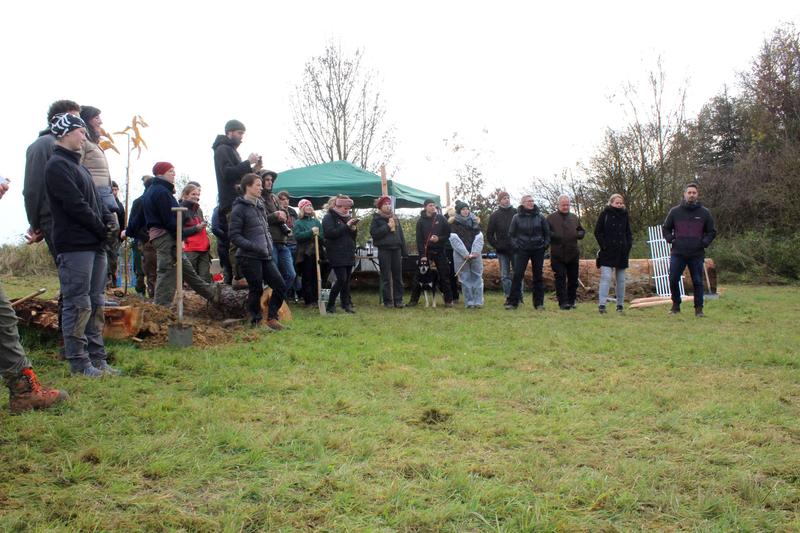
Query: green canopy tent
(319, 182)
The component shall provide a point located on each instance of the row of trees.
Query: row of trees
(744, 149)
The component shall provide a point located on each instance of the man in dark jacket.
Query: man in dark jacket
(565, 254)
(158, 201)
(81, 225)
(219, 227)
(530, 236)
(497, 234)
(433, 232)
(137, 230)
(34, 191)
(689, 228)
(278, 218)
(230, 169)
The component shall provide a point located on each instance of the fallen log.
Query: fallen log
(233, 304)
(121, 322)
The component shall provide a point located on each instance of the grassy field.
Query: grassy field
(423, 420)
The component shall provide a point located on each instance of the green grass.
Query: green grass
(431, 420)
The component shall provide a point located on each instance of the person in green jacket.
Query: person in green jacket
(305, 228)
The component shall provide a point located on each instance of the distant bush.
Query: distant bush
(757, 257)
(26, 260)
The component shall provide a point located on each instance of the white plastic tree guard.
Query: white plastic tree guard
(659, 258)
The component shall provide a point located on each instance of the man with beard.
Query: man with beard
(230, 169)
(689, 228)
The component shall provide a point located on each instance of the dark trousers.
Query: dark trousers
(257, 272)
(677, 264)
(308, 272)
(150, 267)
(341, 286)
(566, 274)
(138, 271)
(453, 279)
(224, 260)
(391, 266)
(521, 258)
(439, 258)
(232, 259)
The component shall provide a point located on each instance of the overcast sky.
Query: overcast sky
(529, 87)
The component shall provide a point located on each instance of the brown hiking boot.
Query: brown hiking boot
(26, 393)
(274, 325)
(239, 284)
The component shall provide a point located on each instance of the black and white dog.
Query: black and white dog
(427, 281)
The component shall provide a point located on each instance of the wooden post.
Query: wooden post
(384, 182)
(179, 211)
(447, 193)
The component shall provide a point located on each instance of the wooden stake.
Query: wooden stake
(384, 182)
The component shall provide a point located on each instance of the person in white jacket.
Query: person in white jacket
(466, 239)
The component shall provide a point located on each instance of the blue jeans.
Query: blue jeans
(83, 279)
(282, 257)
(677, 264)
(507, 273)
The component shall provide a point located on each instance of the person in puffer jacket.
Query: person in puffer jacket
(690, 229)
(613, 234)
(530, 236)
(249, 232)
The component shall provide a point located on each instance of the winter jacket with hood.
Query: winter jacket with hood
(690, 229)
(79, 217)
(565, 232)
(249, 229)
(613, 234)
(340, 240)
(529, 230)
(305, 237)
(194, 234)
(429, 226)
(229, 169)
(137, 225)
(383, 237)
(497, 231)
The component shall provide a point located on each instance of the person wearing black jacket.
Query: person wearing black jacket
(278, 218)
(249, 231)
(81, 226)
(219, 227)
(387, 235)
(146, 271)
(229, 169)
(162, 228)
(689, 228)
(613, 234)
(34, 191)
(340, 230)
(497, 235)
(433, 232)
(530, 236)
(565, 253)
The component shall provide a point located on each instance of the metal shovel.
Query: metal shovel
(180, 334)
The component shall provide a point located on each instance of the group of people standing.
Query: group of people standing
(71, 203)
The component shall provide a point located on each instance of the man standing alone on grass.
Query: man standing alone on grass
(565, 254)
(689, 228)
(25, 392)
(497, 235)
(230, 169)
(81, 226)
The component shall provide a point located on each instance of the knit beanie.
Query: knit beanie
(64, 123)
(161, 168)
(427, 201)
(383, 200)
(234, 125)
(302, 205)
(460, 205)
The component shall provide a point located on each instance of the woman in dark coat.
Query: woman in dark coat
(613, 234)
(340, 231)
(249, 231)
(387, 234)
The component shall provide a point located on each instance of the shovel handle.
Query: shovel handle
(28, 297)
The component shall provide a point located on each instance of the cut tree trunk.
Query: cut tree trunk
(120, 322)
(233, 304)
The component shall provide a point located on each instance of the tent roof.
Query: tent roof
(319, 182)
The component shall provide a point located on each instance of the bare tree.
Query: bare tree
(339, 113)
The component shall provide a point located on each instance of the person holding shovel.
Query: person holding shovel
(249, 232)
(158, 201)
(466, 238)
(25, 391)
(306, 227)
(387, 234)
